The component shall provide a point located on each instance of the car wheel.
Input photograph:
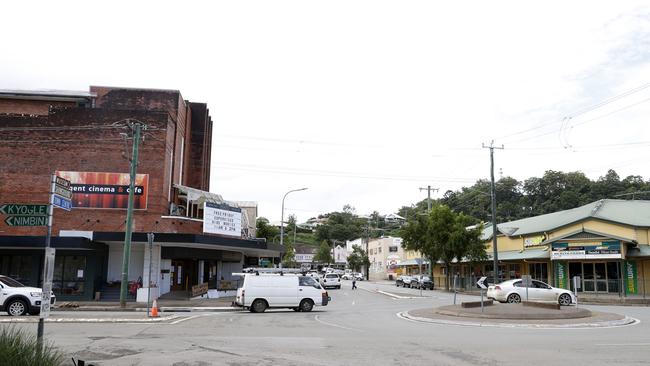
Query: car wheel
(564, 300)
(17, 308)
(306, 305)
(338, 287)
(514, 299)
(258, 306)
(296, 309)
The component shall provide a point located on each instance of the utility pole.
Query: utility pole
(494, 210)
(136, 127)
(428, 189)
(367, 253)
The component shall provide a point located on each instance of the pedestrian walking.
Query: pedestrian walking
(354, 283)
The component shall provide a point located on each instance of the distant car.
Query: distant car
(423, 282)
(331, 280)
(358, 276)
(513, 291)
(347, 276)
(404, 281)
(17, 299)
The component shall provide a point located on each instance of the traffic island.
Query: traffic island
(513, 311)
(517, 316)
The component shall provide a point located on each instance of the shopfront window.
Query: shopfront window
(596, 276)
(538, 271)
(69, 275)
(18, 267)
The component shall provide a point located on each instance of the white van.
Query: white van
(262, 291)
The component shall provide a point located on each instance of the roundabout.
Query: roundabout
(518, 316)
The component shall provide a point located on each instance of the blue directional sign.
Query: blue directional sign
(61, 202)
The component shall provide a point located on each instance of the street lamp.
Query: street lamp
(282, 219)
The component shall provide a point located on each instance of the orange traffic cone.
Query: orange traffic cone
(154, 309)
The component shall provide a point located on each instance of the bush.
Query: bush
(17, 348)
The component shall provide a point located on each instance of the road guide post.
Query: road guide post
(481, 284)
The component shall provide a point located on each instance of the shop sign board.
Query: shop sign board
(104, 190)
(304, 258)
(561, 274)
(601, 250)
(534, 241)
(631, 278)
(221, 219)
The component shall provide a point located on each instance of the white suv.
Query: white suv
(331, 280)
(17, 299)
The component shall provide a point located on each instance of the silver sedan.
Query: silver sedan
(513, 291)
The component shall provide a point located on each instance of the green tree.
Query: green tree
(289, 259)
(443, 235)
(324, 253)
(340, 226)
(358, 258)
(264, 230)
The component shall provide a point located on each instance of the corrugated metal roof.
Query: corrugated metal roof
(626, 212)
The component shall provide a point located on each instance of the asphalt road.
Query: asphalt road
(359, 327)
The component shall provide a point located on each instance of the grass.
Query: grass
(18, 348)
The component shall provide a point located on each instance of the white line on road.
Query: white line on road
(335, 325)
(623, 344)
(184, 319)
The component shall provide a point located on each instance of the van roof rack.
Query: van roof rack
(279, 271)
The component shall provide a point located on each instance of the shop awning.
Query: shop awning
(513, 255)
(197, 196)
(412, 262)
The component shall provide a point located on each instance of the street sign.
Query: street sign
(65, 193)
(481, 283)
(50, 254)
(19, 209)
(63, 183)
(26, 220)
(526, 281)
(61, 202)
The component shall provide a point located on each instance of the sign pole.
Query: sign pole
(47, 270)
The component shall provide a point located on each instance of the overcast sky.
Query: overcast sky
(364, 102)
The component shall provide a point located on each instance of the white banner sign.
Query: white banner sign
(221, 219)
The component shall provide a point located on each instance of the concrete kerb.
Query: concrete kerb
(626, 321)
(89, 320)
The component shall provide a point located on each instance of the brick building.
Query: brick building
(86, 137)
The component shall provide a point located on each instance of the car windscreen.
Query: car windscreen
(11, 282)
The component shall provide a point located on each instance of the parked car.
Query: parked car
(263, 291)
(404, 281)
(421, 281)
(17, 299)
(513, 291)
(331, 280)
(357, 276)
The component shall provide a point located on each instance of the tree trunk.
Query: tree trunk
(447, 277)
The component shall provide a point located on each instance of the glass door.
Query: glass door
(600, 272)
(589, 281)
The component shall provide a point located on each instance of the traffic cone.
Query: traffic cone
(154, 309)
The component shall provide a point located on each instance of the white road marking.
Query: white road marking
(184, 319)
(353, 302)
(336, 325)
(623, 344)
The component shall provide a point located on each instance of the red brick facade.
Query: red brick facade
(91, 139)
